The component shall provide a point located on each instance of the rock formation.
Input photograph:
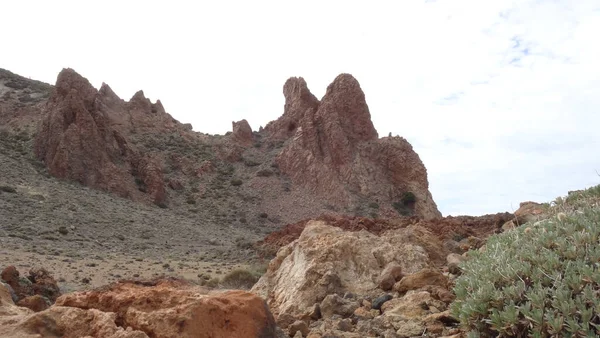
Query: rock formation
(320, 156)
(327, 260)
(242, 133)
(337, 283)
(334, 150)
(81, 139)
(162, 308)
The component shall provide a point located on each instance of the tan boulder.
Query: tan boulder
(528, 212)
(420, 279)
(389, 276)
(36, 303)
(326, 260)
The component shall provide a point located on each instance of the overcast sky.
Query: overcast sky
(499, 98)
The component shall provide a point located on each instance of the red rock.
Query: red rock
(335, 151)
(39, 282)
(389, 276)
(242, 133)
(299, 102)
(36, 303)
(83, 138)
(167, 308)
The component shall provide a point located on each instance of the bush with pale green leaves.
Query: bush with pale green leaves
(537, 281)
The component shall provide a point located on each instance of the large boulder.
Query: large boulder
(325, 260)
(163, 308)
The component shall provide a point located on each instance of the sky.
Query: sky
(499, 98)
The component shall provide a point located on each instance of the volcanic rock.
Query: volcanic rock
(163, 308)
(335, 151)
(327, 260)
(82, 138)
(38, 282)
(242, 133)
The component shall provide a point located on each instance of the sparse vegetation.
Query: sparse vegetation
(540, 280)
(409, 198)
(402, 208)
(373, 205)
(239, 279)
(8, 189)
(236, 182)
(264, 173)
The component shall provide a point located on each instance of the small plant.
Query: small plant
(409, 198)
(244, 243)
(263, 215)
(63, 230)
(8, 189)
(211, 283)
(402, 209)
(190, 200)
(236, 182)
(373, 205)
(537, 281)
(264, 173)
(239, 279)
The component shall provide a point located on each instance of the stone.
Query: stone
(345, 325)
(38, 282)
(379, 301)
(334, 304)
(408, 328)
(299, 326)
(157, 308)
(528, 212)
(242, 133)
(365, 313)
(389, 276)
(454, 261)
(35, 303)
(327, 260)
(420, 279)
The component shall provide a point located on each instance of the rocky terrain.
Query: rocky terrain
(116, 220)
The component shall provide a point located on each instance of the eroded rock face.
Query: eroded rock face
(82, 138)
(327, 260)
(335, 151)
(134, 310)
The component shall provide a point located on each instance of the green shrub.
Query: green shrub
(402, 209)
(264, 173)
(239, 279)
(537, 281)
(7, 188)
(409, 198)
(373, 205)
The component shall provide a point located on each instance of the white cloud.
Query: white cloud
(499, 97)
